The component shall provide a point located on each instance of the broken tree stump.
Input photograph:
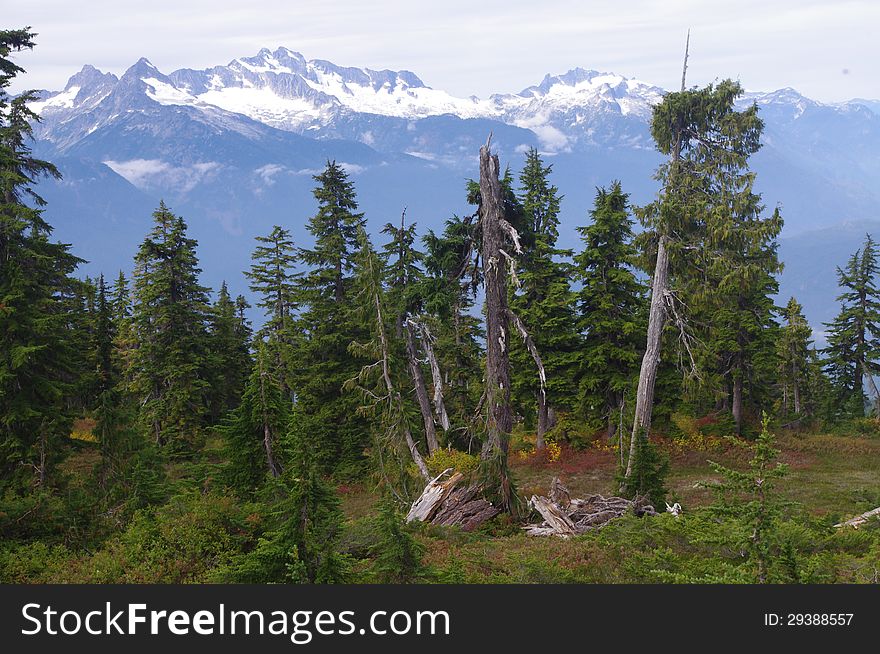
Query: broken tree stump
(435, 492)
(444, 503)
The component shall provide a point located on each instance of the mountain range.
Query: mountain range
(233, 149)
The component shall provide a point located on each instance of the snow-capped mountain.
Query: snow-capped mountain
(234, 148)
(282, 89)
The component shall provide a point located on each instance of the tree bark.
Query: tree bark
(500, 418)
(651, 359)
(737, 401)
(415, 370)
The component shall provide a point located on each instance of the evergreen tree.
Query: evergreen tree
(750, 499)
(254, 429)
(610, 306)
(36, 357)
(794, 361)
(105, 335)
(405, 282)
(302, 547)
(171, 361)
(398, 554)
(229, 355)
(273, 280)
(854, 335)
(544, 302)
(326, 329)
(124, 343)
(449, 293)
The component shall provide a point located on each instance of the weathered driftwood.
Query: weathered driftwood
(859, 520)
(444, 503)
(566, 517)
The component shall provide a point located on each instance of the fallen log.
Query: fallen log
(860, 520)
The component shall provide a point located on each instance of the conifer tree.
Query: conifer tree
(229, 355)
(273, 279)
(405, 280)
(254, 429)
(325, 326)
(449, 292)
(302, 546)
(170, 312)
(544, 301)
(703, 206)
(36, 357)
(854, 335)
(398, 554)
(610, 307)
(377, 380)
(794, 361)
(105, 335)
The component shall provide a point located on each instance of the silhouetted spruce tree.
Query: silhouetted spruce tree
(37, 362)
(544, 302)
(171, 362)
(854, 335)
(325, 328)
(611, 309)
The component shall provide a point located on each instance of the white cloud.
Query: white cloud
(157, 174)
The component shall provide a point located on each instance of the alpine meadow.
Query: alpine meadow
(559, 381)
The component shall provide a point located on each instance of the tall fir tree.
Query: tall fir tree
(325, 326)
(611, 309)
(171, 362)
(36, 357)
(854, 334)
(405, 281)
(544, 302)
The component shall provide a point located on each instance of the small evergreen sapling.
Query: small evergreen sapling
(398, 554)
(749, 498)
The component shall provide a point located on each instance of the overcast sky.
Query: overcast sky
(827, 50)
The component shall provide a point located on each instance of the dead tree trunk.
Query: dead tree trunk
(873, 386)
(657, 315)
(651, 359)
(415, 370)
(500, 418)
(436, 377)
